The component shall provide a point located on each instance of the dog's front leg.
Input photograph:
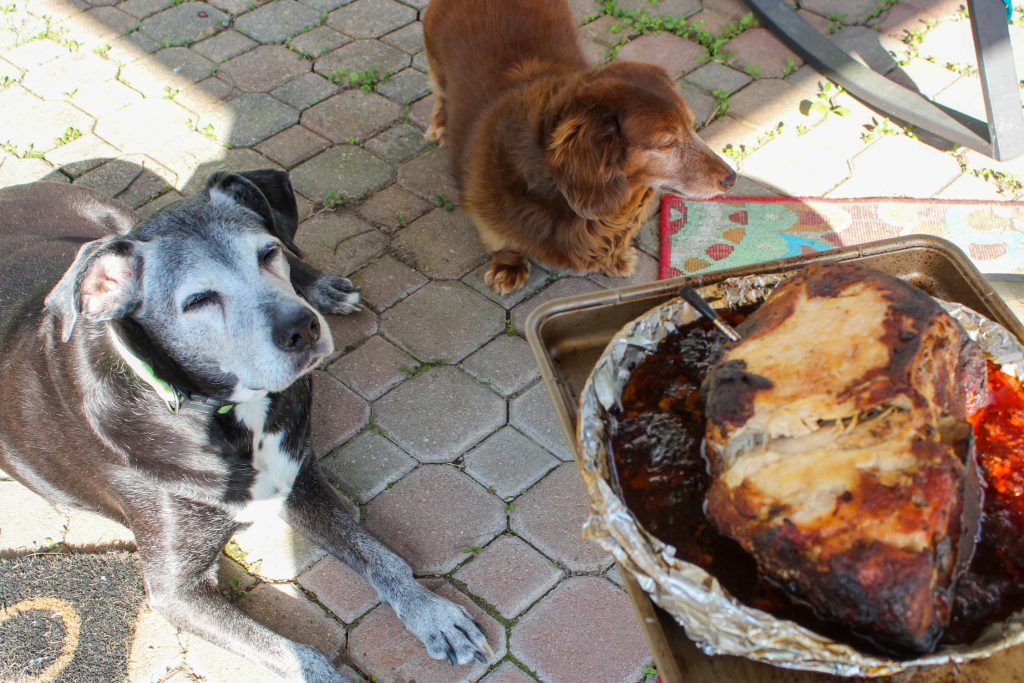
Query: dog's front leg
(444, 627)
(329, 293)
(179, 561)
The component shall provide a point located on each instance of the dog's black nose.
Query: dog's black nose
(728, 181)
(297, 332)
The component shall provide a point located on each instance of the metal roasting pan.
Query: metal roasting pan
(566, 337)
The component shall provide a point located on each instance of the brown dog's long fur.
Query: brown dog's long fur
(554, 160)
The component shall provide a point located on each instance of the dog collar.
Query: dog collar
(174, 398)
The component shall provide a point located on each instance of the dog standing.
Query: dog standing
(555, 161)
(163, 382)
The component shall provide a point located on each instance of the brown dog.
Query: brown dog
(555, 160)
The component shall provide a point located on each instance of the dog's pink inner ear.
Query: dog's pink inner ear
(107, 284)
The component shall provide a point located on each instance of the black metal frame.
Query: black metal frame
(1001, 136)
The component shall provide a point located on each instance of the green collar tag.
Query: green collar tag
(172, 397)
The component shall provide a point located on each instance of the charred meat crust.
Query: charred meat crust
(841, 458)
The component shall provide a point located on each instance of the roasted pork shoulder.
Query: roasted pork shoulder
(840, 452)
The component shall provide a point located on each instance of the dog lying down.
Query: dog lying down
(555, 161)
(163, 382)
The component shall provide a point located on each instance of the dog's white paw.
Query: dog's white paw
(446, 629)
(334, 295)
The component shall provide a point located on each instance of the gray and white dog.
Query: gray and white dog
(160, 377)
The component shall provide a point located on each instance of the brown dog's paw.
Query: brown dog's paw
(504, 278)
(621, 264)
(438, 124)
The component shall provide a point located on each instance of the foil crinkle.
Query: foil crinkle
(713, 619)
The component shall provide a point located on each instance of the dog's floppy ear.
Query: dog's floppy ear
(585, 156)
(267, 192)
(103, 283)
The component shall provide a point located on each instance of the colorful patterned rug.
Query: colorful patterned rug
(698, 236)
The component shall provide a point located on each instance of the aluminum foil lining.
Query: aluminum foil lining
(714, 620)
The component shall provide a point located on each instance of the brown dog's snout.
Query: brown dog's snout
(296, 333)
(729, 180)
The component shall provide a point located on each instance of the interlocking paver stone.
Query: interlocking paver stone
(142, 8)
(507, 463)
(143, 125)
(406, 86)
(442, 320)
(305, 91)
(287, 611)
(44, 123)
(292, 146)
(532, 414)
(339, 243)
(351, 115)
(338, 413)
(507, 672)
(409, 38)
(251, 117)
(386, 281)
(398, 143)
(566, 638)
(27, 521)
(184, 23)
(203, 658)
(505, 363)
(277, 21)
(716, 76)
(363, 55)
(758, 50)
(827, 142)
(276, 551)
(562, 286)
(427, 175)
(550, 516)
(392, 208)
(382, 647)
(350, 331)
(81, 155)
(224, 46)
(107, 97)
(318, 42)
(854, 10)
(366, 465)
(155, 650)
(347, 172)
(185, 63)
(875, 174)
(510, 575)
(339, 589)
(662, 8)
(82, 69)
(371, 18)
(452, 512)
(263, 69)
(112, 177)
(766, 102)
(373, 368)
(443, 244)
(438, 414)
(676, 55)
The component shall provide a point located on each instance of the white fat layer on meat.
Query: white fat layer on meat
(275, 468)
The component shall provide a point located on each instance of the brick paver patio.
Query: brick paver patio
(430, 418)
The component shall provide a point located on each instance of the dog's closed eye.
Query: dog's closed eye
(199, 300)
(268, 255)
